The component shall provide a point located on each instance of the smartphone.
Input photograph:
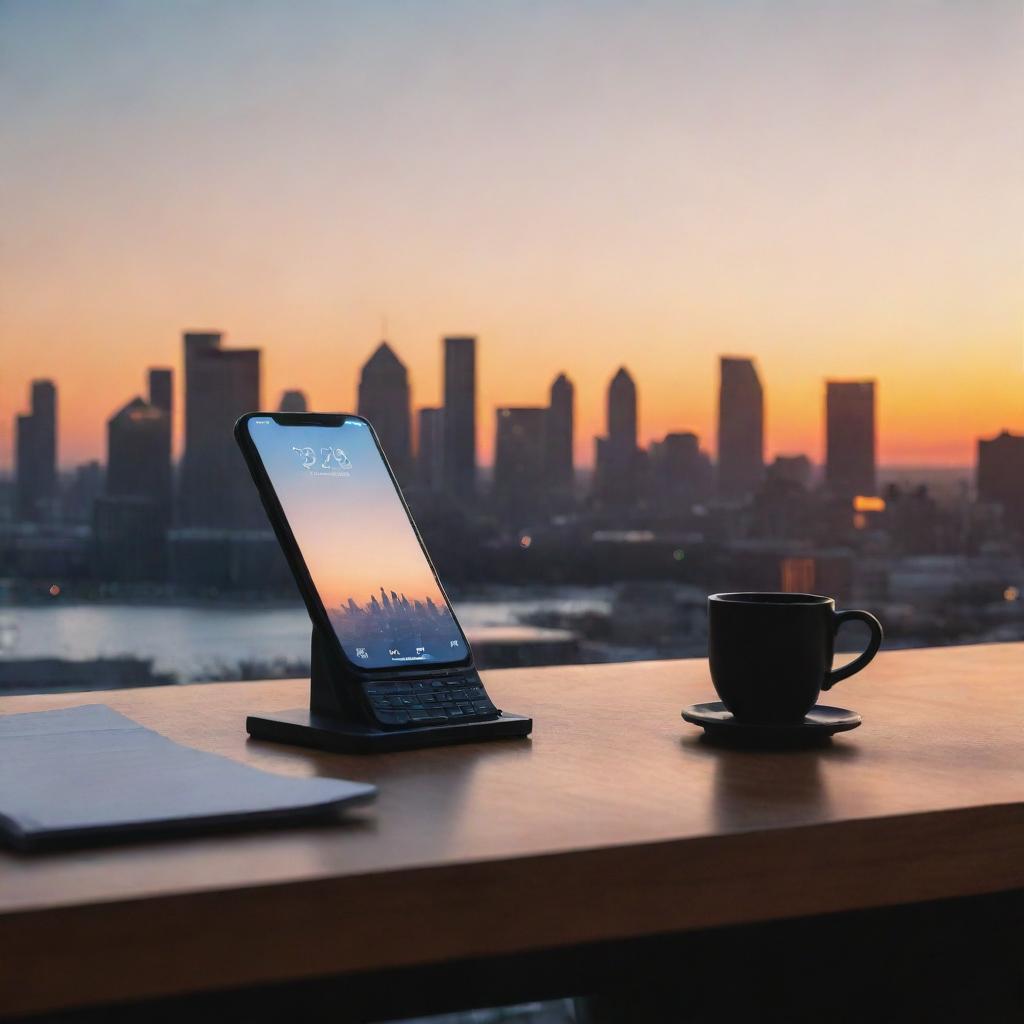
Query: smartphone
(362, 569)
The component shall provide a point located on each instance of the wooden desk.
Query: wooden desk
(616, 821)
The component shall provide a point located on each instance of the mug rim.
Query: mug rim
(767, 598)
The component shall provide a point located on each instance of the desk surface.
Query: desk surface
(615, 821)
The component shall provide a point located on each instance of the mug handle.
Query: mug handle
(836, 674)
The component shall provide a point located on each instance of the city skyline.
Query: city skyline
(808, 185)
(240, 369)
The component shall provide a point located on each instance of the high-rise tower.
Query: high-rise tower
(220, 385)
(740, 429)
(460, 416)
(616, 479)
(850, 438)
(35, 467)
(558, 444)
(384, 400)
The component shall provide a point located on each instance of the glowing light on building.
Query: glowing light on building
(868, 503)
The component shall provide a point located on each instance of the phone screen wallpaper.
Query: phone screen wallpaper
(358, 544)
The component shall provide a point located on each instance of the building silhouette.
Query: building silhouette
(1001, 476)
(35, 455)
(740, 429)
(680, 471)
(161, 389)
(430, 450)
(384, 400)
(139, 456)
(616, 473)
(220, 385)
(292, 401)
(792, 470)
(459, 459)
(559, 473)
(519, 459)
(850, 438)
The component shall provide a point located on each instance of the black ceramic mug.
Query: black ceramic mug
(771, 654)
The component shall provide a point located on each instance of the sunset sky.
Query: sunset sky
(832, 188)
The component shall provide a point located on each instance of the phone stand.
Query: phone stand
(336, 721)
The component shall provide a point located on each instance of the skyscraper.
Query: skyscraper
(139, 456)
(430, 450)
(220, 385)
(558, 445)
(384, 400)
(460, 416)
(618, 459)
(35, 467)
(519, 449)
(740, 429)
(1001, 475)
(680, 471)
(161, 396)
(161, 389)
(292, 401)
(850, 438)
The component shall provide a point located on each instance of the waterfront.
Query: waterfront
(203, 641)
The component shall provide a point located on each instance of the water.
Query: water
(196, 641)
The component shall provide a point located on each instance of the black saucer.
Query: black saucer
(819, 723)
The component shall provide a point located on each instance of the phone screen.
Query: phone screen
(360, 548)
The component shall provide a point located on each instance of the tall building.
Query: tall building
(35, 466)
(519, 449)
(1001, 475)
(161, 396)
(680, 471)
(292, 401)
(791, 470)
(460, 416)
(161, 389)
(139, 456)
(384, 400)
(850, 438)
(430, 450)
(616, 477)
(220, 385)
(740, 429)
(558, 447)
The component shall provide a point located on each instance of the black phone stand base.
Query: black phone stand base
(333, 721)
(305, 728)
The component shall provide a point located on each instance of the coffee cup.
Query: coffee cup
(771, 654)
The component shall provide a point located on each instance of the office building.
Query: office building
(616, 475)
(850, 438)
(84, 486)
(740, 429)
(558, 446)
(220, 385)
(161, 390)
(1001, 476)
(791, 470)
(384, 400)
(679, 471)
(460, 417)
(292, 401)
(35, 456)
(129, 541)
(519, 450)
(139, 456)
(430, 450)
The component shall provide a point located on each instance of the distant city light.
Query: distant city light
(1011, 594)
(860, 521)
(525, 541)
(678, 554)
(54, 590)
(868, 503)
